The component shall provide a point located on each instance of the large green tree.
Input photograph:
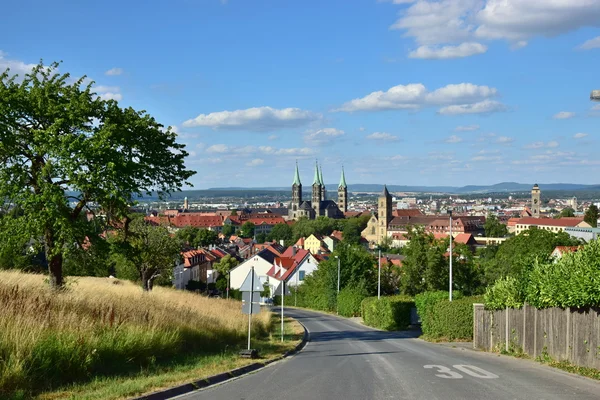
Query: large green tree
(247, 230)
(494, 228)
(567, 212)
(64, 149)
(591, 216)
(281, 232)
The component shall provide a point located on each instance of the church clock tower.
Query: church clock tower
(535, 201)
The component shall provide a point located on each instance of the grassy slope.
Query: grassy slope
(101, 328)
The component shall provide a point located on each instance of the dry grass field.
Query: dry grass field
(100, 327)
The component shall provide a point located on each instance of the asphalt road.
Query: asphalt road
(345, 360)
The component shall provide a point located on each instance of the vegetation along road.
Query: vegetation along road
(345, 360)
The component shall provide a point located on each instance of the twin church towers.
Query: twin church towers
(318, 205)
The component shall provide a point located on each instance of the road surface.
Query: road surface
(345, 360)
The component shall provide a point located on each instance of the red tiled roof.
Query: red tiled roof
(561, 222)
(566, 249)
(199, 221)
(464, 238)
(411, 212)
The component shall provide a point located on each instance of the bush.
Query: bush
(425, 303)
(504, 293)
(450, 320)
(195, 286)
(350, 300)
(389, 313)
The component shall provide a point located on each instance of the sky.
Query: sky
(406, 92)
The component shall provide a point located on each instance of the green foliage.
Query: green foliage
(93, 260)
(389, 312)
(226, 264)
(451, 320)
(591, 216)
(281, 232)
(567, 212)
(195, 286)
(426, 301)
(494, 228)
(63, 148)
(506, 292)
(350, 299)
(196, 237)
(571, 281)
(261, 238)
(247, 230)
(228, 230)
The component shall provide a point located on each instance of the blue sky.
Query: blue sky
(449, 92)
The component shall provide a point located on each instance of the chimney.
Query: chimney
(293, 251)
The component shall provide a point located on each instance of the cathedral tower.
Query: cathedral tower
(535, 201)
(317, 189)
(342, 201)
(385, 213)
(296, 193)
(323, 191)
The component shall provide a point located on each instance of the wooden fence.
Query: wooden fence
(563, 334)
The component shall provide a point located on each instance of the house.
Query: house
(584, 233)
(549, 224)
(191, 267)
(330, 242)
(314, 244)
(560, 251)
(399, 239)
(293, 267)
(262, 262)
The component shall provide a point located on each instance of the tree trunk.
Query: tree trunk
(146, 281)
(55, 261)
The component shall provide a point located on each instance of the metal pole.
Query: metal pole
(379, 277)
(450, 256)
(296, 288)
(338, 285)
(282, 301)
(228, 284)
(337, 308)
(250, 314)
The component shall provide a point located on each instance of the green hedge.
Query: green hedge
(425, 303)
(504, 293)
(350, 300)
(389, 312)
(446, 319)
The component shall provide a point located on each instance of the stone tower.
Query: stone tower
(535, 201)
(186, 204)
(385, 213)
(296, 193)
(343, 194)
(323, 194)
(317, 189)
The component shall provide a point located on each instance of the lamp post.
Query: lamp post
(379, 275)
(338, 286)
(228, 280)
(450, 214)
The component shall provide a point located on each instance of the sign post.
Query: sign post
(282, 290)
(250, 295)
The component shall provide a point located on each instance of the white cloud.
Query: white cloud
(596, 107)
(114, 71)
(541, 145)
(504, 140)
(294, 151)
(453, 139)
(382, 136)
(16, 67)
(482, 107)
(254, 119)
(108, 92)
(217, 148)
(445, 52)
(564, 115)
(590, 44)
(273, 137)
(439, 24)
(466, 128)
(322, 136)
(415, 96)
(255, 162)
(580, 135)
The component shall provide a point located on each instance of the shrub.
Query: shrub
(350, 300)
(450, 320)
(389, 313)
(426, 301)
(504, 293)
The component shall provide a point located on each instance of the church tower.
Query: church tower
(296, 194)
(385, 213)
(317, 190)
(342, 194)
(535, 201)
(323, 194)
(186, 205)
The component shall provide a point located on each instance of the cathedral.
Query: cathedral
(318, 205)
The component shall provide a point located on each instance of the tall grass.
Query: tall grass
(104, 327)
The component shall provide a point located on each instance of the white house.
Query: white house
(262, 263)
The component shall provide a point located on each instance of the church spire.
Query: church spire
(317, 180)
(343, 180)
(297, 176)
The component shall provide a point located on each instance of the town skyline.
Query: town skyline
(484, 95)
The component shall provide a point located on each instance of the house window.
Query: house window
(301, 275)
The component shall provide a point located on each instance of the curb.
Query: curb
(222, 377)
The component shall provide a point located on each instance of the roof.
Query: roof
(343, 180)
(410, 212)
(195, 220)
(339, 235)
(385, 192)
(465, 238)
(297, 177)
(321, 175)
(561, 222)
(300, 242)
(566, 249)
(317, 179)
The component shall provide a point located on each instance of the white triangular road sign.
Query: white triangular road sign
(247, 285)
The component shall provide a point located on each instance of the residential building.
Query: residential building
(550, 224)
(585, 233)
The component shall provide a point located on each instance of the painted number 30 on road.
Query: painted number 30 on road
(476, 372)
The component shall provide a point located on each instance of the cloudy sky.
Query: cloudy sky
(426, 92)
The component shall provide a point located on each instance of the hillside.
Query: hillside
(100, 327)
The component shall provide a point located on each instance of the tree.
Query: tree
(281, 232)
(149, 249)
(188, 235)
(227, 231)
(226, 264)
(591, 216)
(247, 230)
(303, 227)
(62, 148)
(352, 232)
(233, 213)
(494, 228)
(206, 237)
(261, 238)
(567, 212)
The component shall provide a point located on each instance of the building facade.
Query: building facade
(318, 205)
(535, 201)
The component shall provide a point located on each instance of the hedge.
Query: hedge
(389, 312)
(350, 300)
(425, 303)
(446, 319)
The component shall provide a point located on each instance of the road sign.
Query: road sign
(279, 289)
(255, 303)
(247, 285)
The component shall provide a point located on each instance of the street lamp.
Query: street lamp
(450, 214)
(379, 275)
(338, 287)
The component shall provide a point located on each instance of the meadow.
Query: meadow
(102, 328)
